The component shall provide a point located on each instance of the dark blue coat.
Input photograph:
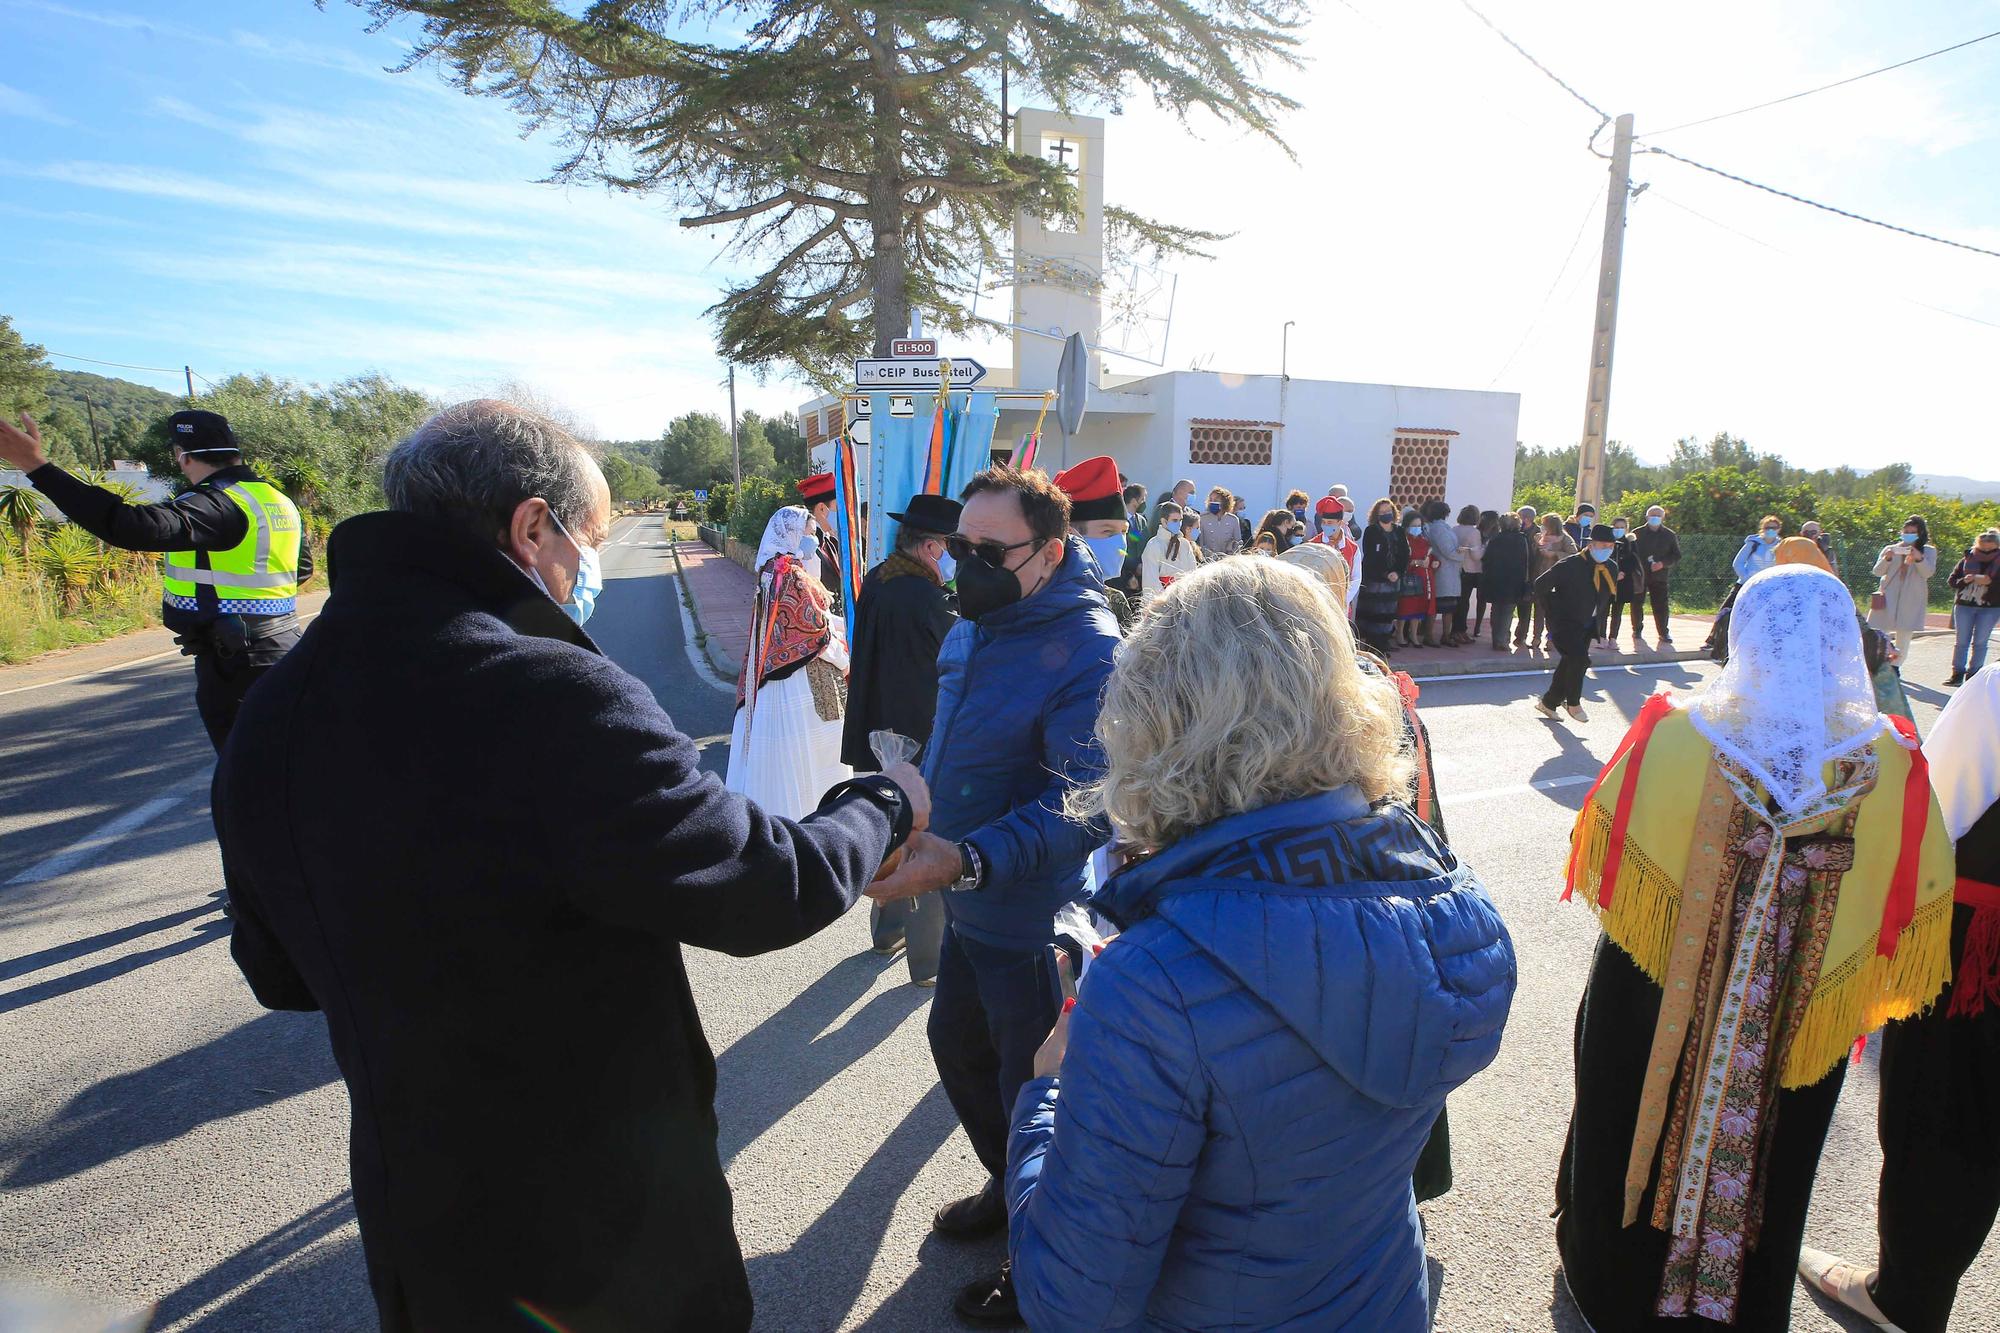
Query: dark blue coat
(1252, 1072)
(478, 847)
(1016, 729)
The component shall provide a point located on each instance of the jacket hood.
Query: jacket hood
(1075, 585)
(1354, 925)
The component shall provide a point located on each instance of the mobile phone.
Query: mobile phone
(1066, 976)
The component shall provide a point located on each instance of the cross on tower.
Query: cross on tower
(1060, 151)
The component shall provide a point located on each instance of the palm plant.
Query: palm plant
(72, 561)
(20, 509)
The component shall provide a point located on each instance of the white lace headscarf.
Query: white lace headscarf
(1795, 693)
(787, 534)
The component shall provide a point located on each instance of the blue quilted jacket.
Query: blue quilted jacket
(1253, 1068)
(1016, 728)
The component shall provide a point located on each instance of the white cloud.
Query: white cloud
(27, 106)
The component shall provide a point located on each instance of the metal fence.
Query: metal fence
(1705, 573)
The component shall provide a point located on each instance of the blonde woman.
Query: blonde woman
(1228, 1119)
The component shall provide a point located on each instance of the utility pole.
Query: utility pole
(190, 379)
(1597, 402)
(90, 410)
(735, 442)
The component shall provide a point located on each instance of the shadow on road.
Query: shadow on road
(776, 1065)
(214, 928)
(1564, 1317)
(815, 1284)
(89, 944)
(271, 1057)
(260, 1287)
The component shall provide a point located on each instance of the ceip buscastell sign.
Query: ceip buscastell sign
(914, 373)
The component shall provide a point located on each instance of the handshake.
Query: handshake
(925, 862)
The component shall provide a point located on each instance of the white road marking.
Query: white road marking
(120, 666)
(1428, 681)
(1519, 789)
(90, 848)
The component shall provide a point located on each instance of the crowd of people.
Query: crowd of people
(1173, 857)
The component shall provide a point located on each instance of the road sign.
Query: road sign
(701, 497)
(914, 373)
(904, 347)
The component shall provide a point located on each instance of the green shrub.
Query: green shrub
(719, 500)
(761, 498)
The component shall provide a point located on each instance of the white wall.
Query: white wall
(1334, 432)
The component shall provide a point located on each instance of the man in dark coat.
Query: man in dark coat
(904, 614)
(1504, 579)
(1570, 589)
(1659, 550)
(477, 847)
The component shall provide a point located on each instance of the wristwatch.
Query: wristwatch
(971, 869)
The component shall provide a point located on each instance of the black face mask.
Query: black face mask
(983, 589)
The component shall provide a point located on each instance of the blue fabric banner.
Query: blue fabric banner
(899, 447)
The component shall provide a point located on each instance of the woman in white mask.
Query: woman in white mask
(784, 750)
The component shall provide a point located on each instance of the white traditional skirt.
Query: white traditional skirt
(791, 756)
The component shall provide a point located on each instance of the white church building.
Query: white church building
(1258, 435)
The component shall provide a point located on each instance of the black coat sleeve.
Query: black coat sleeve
(199, 520)
(646, 839)
(254, 947)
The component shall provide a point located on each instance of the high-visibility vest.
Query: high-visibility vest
(259, 576)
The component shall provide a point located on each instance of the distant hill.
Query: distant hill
(1965, 488)
(115, 401)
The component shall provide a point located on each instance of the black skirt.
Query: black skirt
(1614, 1270)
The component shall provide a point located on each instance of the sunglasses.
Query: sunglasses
(989, 553)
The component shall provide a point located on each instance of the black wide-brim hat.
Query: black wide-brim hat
(930, 513)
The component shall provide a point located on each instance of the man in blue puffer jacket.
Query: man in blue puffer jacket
(1255, 1063)
(1018, 685)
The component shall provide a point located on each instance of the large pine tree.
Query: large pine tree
(856, 149)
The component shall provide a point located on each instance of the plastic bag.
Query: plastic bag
(892, 747)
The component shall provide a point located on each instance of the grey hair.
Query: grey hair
(471, 465)
(1239, 689)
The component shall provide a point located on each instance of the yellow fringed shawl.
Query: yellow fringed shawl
(1858, 988)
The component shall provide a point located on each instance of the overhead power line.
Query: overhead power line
(1590, 211)
(1557, 79)
(1838, 83)
(1814, 203)
(91, 360)
(1804, 260)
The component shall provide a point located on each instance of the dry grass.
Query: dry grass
(32, 620)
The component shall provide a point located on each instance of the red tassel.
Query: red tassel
(1860, 1048)
(1977, 983)
(1636, 739)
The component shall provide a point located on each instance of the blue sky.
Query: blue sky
(240, 186)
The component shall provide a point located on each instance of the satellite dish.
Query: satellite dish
(1072, 384)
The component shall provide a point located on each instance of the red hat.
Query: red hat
(1093, 489)
(817, 487)
(1328, 506)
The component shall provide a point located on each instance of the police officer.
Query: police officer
(235, 553)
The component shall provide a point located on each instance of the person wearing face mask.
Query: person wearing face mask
(236, 554)
(1018, 685)
(1098, 519)
(817, 493)
(791, 697)
(479, 847)
(1171, 553)
(1570, 592)
(1299, 505)
(1903, 596)
(1416, 601)
(1221, 534)
(1658, 549)
(1812, 531)
(1759, 550)
(1332, 528)
(1975, 610)
(905, 610)
(1385, 554)
(1631, 585)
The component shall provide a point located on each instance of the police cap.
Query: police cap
(198, 432)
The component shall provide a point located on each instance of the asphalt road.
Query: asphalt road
(164, 1140)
